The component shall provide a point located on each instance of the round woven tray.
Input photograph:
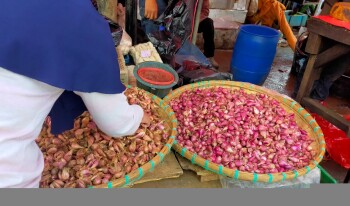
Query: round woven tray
(302, 117)
(167, 114)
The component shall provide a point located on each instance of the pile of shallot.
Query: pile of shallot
(248, 132)
(85, 156)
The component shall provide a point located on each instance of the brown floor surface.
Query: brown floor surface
(282, 81)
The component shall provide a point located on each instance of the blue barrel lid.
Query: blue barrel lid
(258, 30)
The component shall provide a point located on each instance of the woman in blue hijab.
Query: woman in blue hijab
(56, 57)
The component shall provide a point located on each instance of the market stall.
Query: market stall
(284, 150)
(204, 130)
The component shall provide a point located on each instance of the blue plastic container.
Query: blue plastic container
(253, 54)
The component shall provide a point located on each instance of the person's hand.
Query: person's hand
(151, 9)
(146, 119)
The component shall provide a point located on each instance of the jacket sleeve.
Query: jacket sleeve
(112, 113)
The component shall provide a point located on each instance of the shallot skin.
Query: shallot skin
(85, 156)
(248, 132)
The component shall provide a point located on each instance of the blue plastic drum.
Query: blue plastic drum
(253, 54)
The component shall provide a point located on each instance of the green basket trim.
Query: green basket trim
(296, 174)
(175, 141)
(193, 158)
(172, 137)
(236, 175)
(306, 115)
(315, 162)
(322, 142)
(221, 169)
(161, 102)
(312, 121)
(299, 110)
(161, 156)
(270, 177)
(192, 85)
(129, 86)
(109, 185)
(316, 128)
(320, 135)
(166, 97)
(91, 187)
(199, 84)
(293, 104)
(284, 176)
(140, 173)
(255, 177)
(166, 106)
(308, 169)
(321, 156)
(242, 84)
(183, 151)
(206, 164)
(168, 145)
(251, 87)
(154, 97)
(170, 113)
(174, 120)
(152, 165)
(284, 99)
(127, 180)
(174, 129)
(323, 149)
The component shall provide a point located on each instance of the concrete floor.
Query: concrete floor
(282, 81)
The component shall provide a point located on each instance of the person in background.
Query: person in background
(59, 62)
(150, 10)
(206, 26)
(271, 12)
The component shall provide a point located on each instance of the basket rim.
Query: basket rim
(247, 176)
(137, 174)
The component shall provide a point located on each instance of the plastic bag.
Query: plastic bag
(117, 32)
(125, 43)
(337, 143)
(193, 71)
(144, 52)
(190, 52)
(305, 181)
(177, 22)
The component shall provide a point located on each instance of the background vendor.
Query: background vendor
(270, 12)
(150, 10)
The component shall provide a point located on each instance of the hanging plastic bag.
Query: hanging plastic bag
(337, 143)
(176, 22)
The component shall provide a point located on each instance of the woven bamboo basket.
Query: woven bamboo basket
(302, 117)
(167, 114)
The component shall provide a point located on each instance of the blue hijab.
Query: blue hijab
(66, 44)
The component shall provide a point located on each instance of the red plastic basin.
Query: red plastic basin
(156, 76)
